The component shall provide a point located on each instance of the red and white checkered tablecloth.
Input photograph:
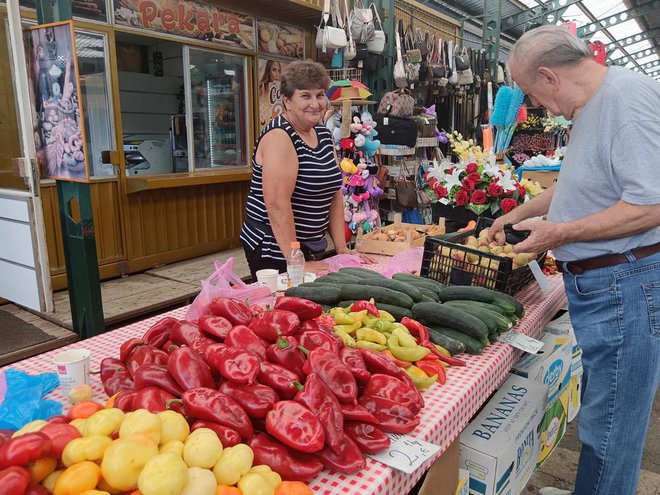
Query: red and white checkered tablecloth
(448, 407)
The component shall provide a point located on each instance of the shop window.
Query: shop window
(217, 108)
(93, 10)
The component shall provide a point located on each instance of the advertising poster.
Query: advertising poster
(281, 39)
(188, 18)
(270, 100)
(59, 137)
(87, 9)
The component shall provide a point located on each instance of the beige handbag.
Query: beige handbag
(377, 43)
(331, 36)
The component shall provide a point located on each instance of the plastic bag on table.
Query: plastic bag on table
(342, 261)
(409, 261)
(225, 283)
(21, 398)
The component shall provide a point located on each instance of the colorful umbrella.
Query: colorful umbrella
(348, 90)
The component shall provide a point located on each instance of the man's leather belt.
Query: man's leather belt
(579, 266)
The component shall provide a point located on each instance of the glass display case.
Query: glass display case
(218, 83)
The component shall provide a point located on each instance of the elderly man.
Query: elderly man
(603, 226)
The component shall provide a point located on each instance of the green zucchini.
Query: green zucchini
(396, 311)
(396, 285)
(379, 294)
(361, 272)
(472, 346)
(430, 293)
(492, 336)
(501, 297)
(337, 278)
(489, 321)
(426, 298)
(314, 284)
(490, 306)
(452, 317)
(502, 323)
(454, 346)
(466, 293)
(419, 282)
(324, 294)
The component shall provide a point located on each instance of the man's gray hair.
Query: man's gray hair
(549, 46)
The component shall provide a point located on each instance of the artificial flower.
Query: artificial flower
(479, 197)
(462, 197)
(471, 168)
(494, 189)
(468, 185)
(508, 204)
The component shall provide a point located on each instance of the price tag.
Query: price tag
(539, 276)
(406, 453)
(521, 341)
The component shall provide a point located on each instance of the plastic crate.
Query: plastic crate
(444, 260)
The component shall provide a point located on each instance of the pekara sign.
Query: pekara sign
(190, 19)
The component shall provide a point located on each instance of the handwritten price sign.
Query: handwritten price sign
(406, 453)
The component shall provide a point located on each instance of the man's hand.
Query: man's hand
(544, 235)
(498, 226)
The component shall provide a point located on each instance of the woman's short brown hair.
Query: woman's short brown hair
(303, 74)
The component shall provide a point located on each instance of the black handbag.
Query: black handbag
(361, 51)
(396, 130)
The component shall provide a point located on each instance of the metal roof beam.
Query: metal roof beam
(655, 74)
(633, 56)
(537, 13)
(650, 65)
(631, 40)
(613, 20)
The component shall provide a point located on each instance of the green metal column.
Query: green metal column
(492, 19)
(381, 80)
(77, 221)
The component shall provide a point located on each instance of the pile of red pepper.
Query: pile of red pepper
(278, 379)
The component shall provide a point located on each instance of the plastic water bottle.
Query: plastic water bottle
(295, 265)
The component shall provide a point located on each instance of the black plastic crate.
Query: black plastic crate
(445, 260)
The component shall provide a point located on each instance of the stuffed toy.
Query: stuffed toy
(440, 135)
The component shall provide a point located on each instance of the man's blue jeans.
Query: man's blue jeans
(615, 312)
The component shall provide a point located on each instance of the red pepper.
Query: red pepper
(215, 326)
(362, 305)
(291, 465)
(128, 347)
(118, 382)
(256, 399)
(211, 405)
(228, 436)
(189, 370)
(369, 438)
(110, 366)
(318, 398)
(159, 333)
(326, 321)
(21, 450)
(296, 426)
(392, 416)
(268, 323)
(243, 338)
(167, 346)
(352, 358)
(285, 352)
(334, 373)
(201, 345)
(60, 435)
(145, 354)
(452, 361)
(348, 460)
(415, 328)
(156, 375)
(433, 368)
(278, 378)
(306, 326)
(394, 389)
(14, 480)
(124, 400)
(306, 310)
(313, 339)
(357, 413)
(398, 362)
(58, 419)
(36, 489)
(184, 333)
(237, 312)
(234, 364)
(152, 398)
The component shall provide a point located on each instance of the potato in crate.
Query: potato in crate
(467, 258)
(396, 238)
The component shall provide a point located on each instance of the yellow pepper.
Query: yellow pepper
(90, 448)
(202, 448)
(369, 319)
(105, 486)
(442, 350)
(343, 335)
(49, 482)
(420, 379)
(81, 392)
(78, 478)
(94, 492)
(359, 316)
(234, 463)
(405, 339)
(342, 318)
(410, 354)
(103, 422)
(371, 335)
(79, 424)
(383, 326)
(174, 446)
(41, 468)
(163, 474)
(30, 427)
(273, 478)
(124, 459)
(349, 328)
(173, 426)
(384, 315)
(255, 484)
(370, 345)
(141, 422)
(200, 482)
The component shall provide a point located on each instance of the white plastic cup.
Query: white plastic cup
(72, 368)
(268, 277)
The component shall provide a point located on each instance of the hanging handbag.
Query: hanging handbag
(362, 52)
(413, 54)
(377, 43)
(436, 66)
(361, 22)
(396, 130)
(422, 42)
(398, 103)
(461, 59)
(337, 59)
(453, 77)
(399, 69)
(350, 51)
(426, 125)
(406, 192)
(331, 36)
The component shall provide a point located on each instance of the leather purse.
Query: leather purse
(396, 130)
(398, 103)
(399, 69)
(406, 191)
(329, 35)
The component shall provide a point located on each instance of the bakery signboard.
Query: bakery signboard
(189, 19)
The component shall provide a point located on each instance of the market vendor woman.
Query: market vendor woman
(295, 191)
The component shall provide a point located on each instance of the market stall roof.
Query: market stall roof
(630, 29)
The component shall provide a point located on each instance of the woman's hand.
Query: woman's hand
(364, 258)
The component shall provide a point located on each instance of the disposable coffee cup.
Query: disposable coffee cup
(268, 277)
(72, 368)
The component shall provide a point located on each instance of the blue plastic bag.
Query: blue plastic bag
(413, 216)
(21, 398)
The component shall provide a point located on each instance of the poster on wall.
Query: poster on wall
(281, 39)
(270, 99)
(188, 18)
(87, 9)
(59, 136)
